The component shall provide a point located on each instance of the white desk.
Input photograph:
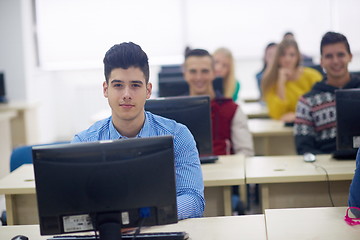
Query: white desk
(24, 127)
(309, 223)
(271, 137)
(219, 177)
(20, 194)
(255, 110)
(288, 181)
(5, 141)
(251, 227)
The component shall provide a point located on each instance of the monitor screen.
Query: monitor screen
(172, 83)
(2, 88)
(347, 117)
(192, 111)
(105, 185)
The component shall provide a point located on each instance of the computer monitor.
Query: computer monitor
(3, 98)
(105, 185)
(347, 119)
(172, 83)
(192, 111)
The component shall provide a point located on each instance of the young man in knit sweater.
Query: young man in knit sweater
(315, 123)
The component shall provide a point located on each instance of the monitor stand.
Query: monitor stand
(109, 226)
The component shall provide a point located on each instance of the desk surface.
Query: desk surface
(17, 105)
(269, 127)
(309, 223)
(277, 169)
(227, 171)
(255, 110)
(234, 227)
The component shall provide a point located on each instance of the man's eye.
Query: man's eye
(136, 85)
(117, 85)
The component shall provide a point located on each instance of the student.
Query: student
(286, 81)
(315, 123)
(230, 131)
(305, 59)
(268, 58)
(225, 68)
(127, 87)
(354, 195)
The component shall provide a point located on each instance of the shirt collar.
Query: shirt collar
(144, 131)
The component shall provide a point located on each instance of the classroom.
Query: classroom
(52, 73)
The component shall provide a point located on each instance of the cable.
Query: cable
(328, 183)
(137, 231)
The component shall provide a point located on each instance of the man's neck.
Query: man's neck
(129, 128)
(338, 82)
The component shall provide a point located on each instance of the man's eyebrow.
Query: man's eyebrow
(116, 81)
(137, 81)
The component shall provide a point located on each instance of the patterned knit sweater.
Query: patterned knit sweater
(315, 123)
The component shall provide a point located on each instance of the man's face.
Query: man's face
(127, 92)
(335, 60)
(199, 74)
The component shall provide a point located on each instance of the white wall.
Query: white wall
(70, 97)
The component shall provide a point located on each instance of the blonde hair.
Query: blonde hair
(229, 81)
(271, 75)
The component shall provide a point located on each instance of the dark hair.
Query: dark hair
(332, 38)
(197, 53)
(266, 48)
(125, 55)
(288, 34)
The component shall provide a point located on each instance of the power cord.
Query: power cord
(328, 182)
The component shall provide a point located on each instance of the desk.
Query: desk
(255, 110)
(271, 137)
(218, 179)
(309, 223)
(24, 127)
(20, 193)
(5, 141)
(229, 228)
(288, 181)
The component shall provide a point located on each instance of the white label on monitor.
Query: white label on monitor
(356, 142)
(77, 223)
(125, 218)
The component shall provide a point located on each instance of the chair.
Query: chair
(22, 155)
(19, 156)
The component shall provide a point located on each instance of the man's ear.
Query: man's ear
(148, 90)
(105, 89)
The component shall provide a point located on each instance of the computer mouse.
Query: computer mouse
(20, 237)
(309, 157)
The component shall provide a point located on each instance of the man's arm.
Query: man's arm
(241, 138)
(304, 129)
(189, 181)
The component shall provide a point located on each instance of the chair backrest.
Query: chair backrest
(22, 155)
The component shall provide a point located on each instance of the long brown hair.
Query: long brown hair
(271, 75)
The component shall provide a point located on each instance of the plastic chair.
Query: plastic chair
(22, 155)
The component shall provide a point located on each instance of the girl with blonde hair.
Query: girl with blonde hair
(225, 68)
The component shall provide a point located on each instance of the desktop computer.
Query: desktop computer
(105, 186)
(347, 123)
(3, 98)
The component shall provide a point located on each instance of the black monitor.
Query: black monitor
(172, 84)
(347, 120)
(105, 185)
(192, 111)
(3, 98)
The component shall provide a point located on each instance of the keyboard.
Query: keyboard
(141, 236)
(208, 159)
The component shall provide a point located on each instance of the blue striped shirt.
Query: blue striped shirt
(189, 182)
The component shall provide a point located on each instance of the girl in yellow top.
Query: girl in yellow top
(286, 81)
